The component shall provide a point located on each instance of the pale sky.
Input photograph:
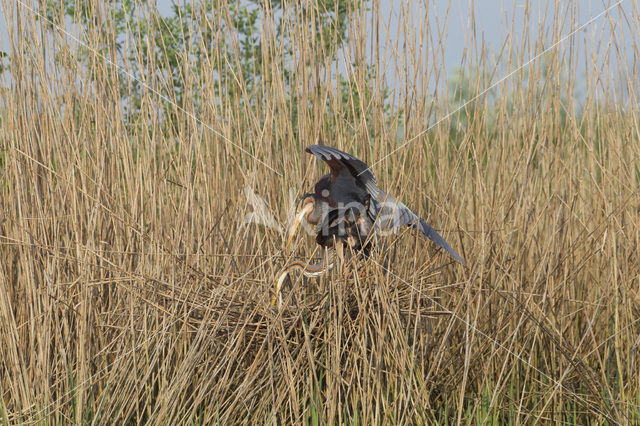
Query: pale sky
(492, 24)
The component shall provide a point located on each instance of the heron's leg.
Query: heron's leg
(340, 251)
(349, 259)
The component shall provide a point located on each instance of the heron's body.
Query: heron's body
(348, 208)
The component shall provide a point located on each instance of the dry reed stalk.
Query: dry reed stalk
(132, 291)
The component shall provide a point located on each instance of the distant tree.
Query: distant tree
(163, 47)
(3, 62)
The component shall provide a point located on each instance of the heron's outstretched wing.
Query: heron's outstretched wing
(431, 233)
(392, 213)
(339, 160)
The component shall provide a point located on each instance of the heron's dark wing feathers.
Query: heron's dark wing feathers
(431, 233)
(337, 160)
(392, 213)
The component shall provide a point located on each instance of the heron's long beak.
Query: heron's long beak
(296, 222)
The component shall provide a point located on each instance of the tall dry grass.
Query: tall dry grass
(131, 289)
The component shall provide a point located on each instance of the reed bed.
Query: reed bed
(143, 215)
